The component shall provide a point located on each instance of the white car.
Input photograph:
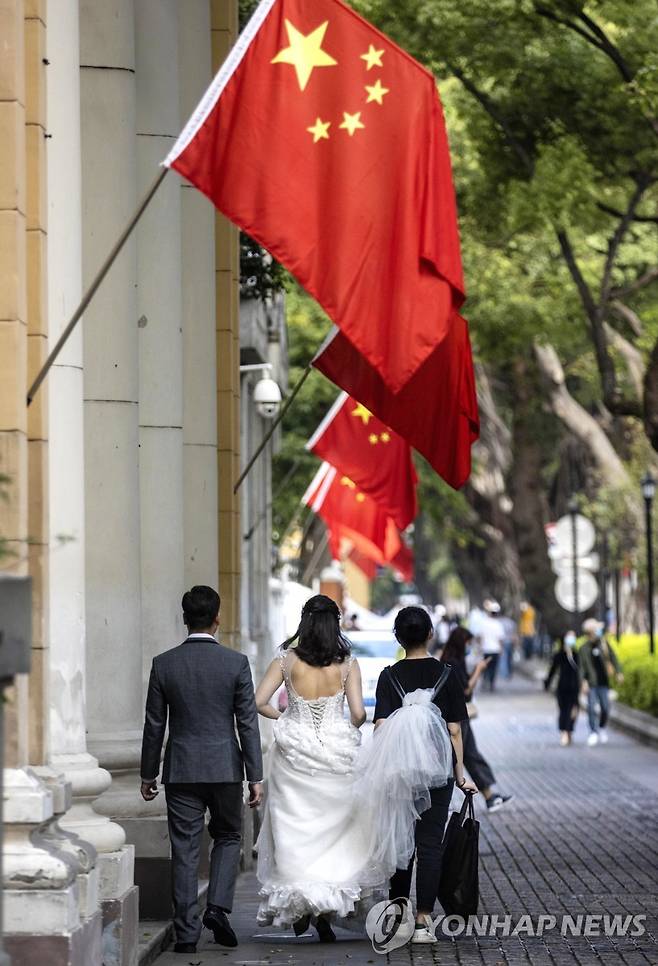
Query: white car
(374, 650)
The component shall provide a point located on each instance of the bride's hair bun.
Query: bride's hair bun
(321, 604)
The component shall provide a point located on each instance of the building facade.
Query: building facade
(120, 475)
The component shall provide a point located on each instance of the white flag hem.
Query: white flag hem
(219, 82)
(331, 415)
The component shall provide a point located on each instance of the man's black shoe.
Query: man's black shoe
(216, 920)
(185, 948)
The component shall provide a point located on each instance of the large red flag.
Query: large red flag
(403, 563)
(365, 564)
(326, 143)
(436, 411)
(377, 459)
(350, 513)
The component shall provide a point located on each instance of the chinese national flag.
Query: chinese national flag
(365, 564)
(326, 143)
(350, 513)
(436, 411)
(378, 460)
(403, 563)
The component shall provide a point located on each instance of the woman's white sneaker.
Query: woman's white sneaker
(424, 935)
(593, 739)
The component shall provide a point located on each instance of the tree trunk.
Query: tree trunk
(651, 398)
(530, 512)
(578, 421)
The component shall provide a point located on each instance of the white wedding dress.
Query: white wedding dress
(339, 819)
(314, 844)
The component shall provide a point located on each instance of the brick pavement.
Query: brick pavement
(580, 837)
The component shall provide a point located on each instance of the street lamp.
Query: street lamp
(648, 484)
(572, 508)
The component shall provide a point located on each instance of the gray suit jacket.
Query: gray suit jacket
(206, 689)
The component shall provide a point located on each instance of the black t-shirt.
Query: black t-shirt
(421, 673)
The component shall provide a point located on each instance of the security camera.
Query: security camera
(267, 397)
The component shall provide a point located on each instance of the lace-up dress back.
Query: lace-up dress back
(313, 854)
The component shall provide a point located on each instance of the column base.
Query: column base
(80, 947)
(88, 781)
(120, 929)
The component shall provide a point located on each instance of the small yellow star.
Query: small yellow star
(373, 439)
(360, 497)
(362, 413)
(351, 122)
(385, 437)
(373, 58)
(346, 481)
(376, 92)
(304, 52)
(319, 130)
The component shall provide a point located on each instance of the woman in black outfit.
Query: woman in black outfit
(475, 763)
(565, 665)
(413, 629)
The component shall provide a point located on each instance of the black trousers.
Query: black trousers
(474, 761)
(567, 702)
(429, 853)
(491, 670)
(186, 811)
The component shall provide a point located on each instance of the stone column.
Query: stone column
(224, 27)
(39, 891)
(160, 413)
(111, 432)
(68, 743)
(199, 343)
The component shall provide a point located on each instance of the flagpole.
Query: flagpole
(91, 291)
(277, 422)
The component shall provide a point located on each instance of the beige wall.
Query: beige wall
(23, 343)
(224, 27)
(37, 350)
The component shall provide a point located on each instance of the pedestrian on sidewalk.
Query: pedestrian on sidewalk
(313, 848)
(454, 653)
(402, 690)
(599, 667)
(206, 692)
(510, 637)
(491, 634)
(565, 666)
(527, 629)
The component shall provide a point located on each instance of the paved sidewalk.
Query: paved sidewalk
(580, 837)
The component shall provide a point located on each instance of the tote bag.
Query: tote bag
(459, 889)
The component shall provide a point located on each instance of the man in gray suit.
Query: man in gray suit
(207, 691)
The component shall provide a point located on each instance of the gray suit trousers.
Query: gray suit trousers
(186, 809)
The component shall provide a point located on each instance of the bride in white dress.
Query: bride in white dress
(314, 856)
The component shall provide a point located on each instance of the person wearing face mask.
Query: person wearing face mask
(565, 666)
(599, 665)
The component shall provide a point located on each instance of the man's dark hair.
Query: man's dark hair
(412, 626)
(200, 607)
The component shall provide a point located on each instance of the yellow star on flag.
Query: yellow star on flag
(360, 497)
(376, 92)
(385, 437)
(346, 481)
(362, 413)
(373, 439)
(305, 52)
(319, 130)
(373, 58)
(351, 122)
